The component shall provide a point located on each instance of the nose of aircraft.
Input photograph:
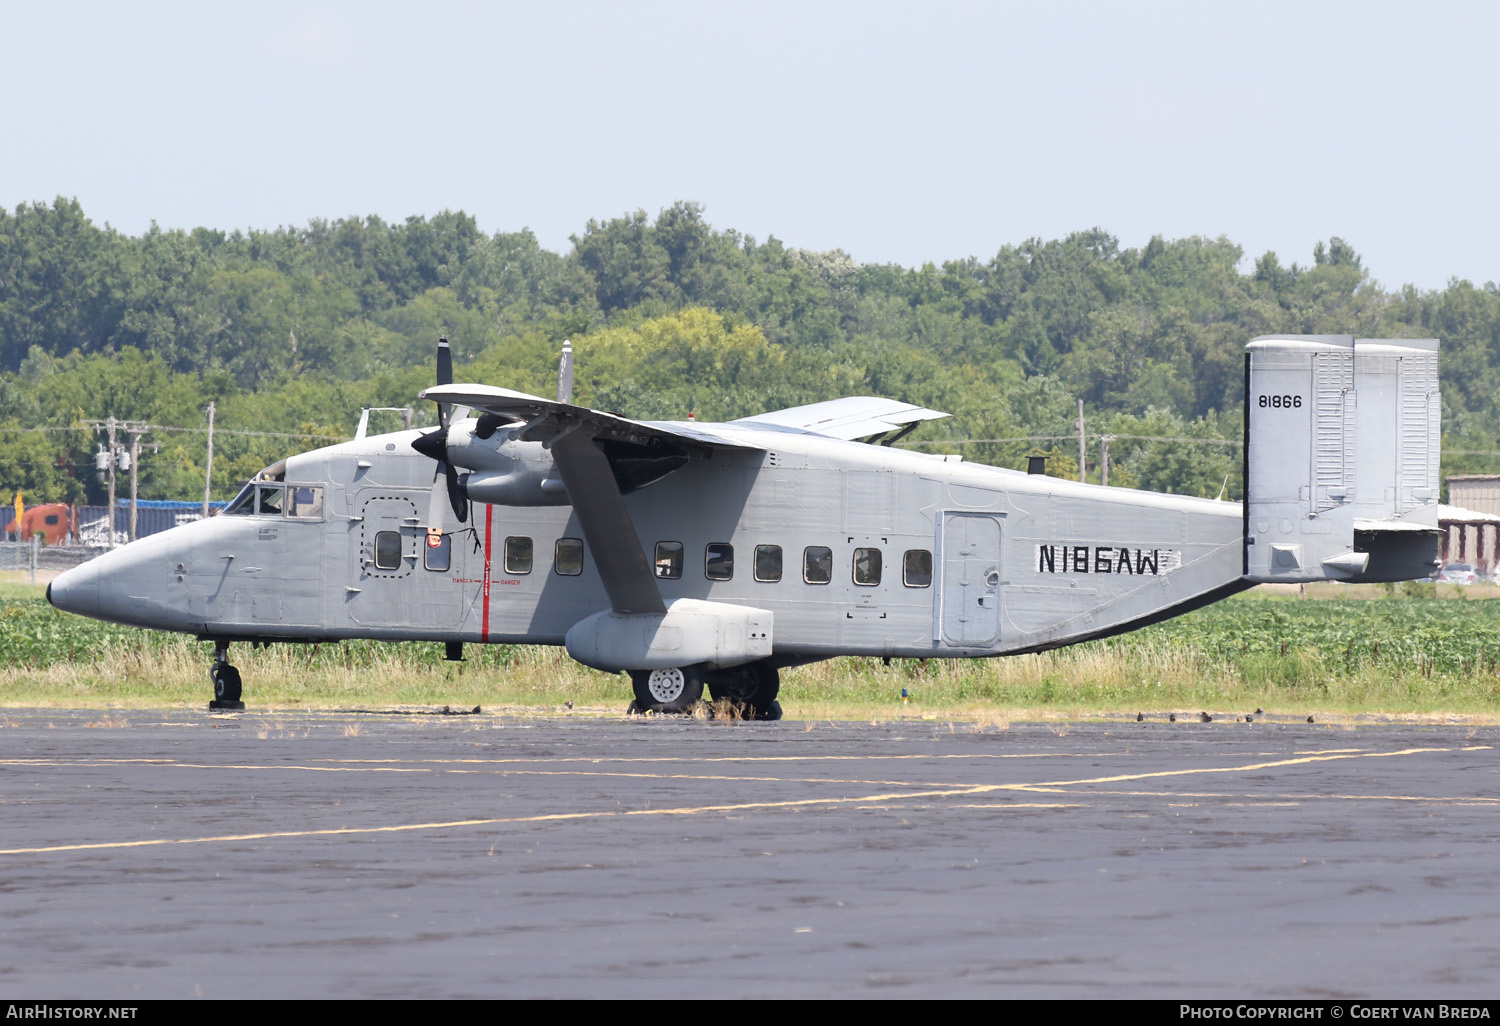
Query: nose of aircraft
(76, 590)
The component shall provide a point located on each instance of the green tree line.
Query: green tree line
(290, 331)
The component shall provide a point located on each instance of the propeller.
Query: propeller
(434, 445)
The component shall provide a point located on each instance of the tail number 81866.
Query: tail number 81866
(1281, 402)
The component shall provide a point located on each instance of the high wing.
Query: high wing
(857, 416)
(546, 419)
(587, 445)
(574, 435)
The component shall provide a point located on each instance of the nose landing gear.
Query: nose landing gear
(226, 680)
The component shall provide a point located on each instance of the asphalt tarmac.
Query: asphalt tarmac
(183, 854)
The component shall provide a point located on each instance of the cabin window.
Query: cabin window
(768, 562)
(567, 557)
(916, 568)
(305, 502)
(867, 567)
(669, 560)
(817, 564)
(718, 561)
(439, 552)
(388, 550)
(268, 499)
(518, 555)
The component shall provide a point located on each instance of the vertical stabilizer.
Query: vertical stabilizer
(1341, 458)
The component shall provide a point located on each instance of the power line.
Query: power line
(204, 430)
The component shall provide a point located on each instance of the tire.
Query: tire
(753, 687)
(226, 683)
(673, 690)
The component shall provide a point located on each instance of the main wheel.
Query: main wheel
(753, 687)
(226, 683)
(672, 690)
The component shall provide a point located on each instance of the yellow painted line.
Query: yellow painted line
(595, 760)
(49, 761)
(546, 818)
(503, 769)
(965, 791)
(1303, 760)
(1006, 806)
(1292, 798)
(755, 758)
(711, 776)
(174, 764)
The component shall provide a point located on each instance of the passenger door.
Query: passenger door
(971, 579)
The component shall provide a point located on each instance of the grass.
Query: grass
(1356, 652)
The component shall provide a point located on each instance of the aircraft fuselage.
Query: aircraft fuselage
(855, 548)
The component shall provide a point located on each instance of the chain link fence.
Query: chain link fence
(32, 557)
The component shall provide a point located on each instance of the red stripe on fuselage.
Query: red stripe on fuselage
(489, 524)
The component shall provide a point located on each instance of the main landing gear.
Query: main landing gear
(226, 680)
(673, 690)
(751, 689)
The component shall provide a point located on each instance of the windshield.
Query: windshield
(242, 503)
(245, 502)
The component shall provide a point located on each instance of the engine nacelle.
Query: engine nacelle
(525, 485)
(503, 471)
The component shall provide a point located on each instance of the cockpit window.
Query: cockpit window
(269, 499)
(305, 502)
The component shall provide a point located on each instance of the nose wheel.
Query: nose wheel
(226, 681)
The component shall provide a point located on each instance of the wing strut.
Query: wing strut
(606, 524)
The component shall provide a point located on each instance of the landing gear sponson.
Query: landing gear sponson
(226, 679)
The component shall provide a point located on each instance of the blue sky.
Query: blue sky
(896, 132)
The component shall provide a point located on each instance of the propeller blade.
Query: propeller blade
(457, 497)
(488, 424)
(434, 445)
(435, 503)
(444, 376)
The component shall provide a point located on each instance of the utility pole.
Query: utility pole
(1104, 441)
(1082, 454)
(135, 458)
(135, 430)
(107, 461)
(208, 475)
(113, 458)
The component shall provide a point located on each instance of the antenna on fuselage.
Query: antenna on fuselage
(565, 373)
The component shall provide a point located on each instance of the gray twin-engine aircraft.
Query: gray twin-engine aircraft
(690, 553)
